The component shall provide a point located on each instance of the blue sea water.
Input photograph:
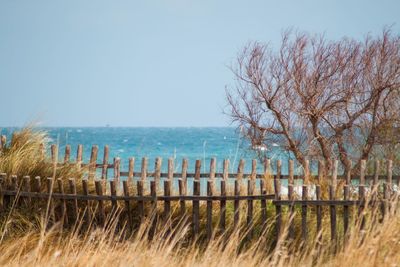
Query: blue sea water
(181, 142)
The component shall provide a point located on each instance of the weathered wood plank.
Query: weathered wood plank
(196, 208)
(88, 209)
(222, 219)
(99, 192)
(128, 214)
(104, 167)
(304, 228)
(72, 188)
(210, 190)
(92, 163)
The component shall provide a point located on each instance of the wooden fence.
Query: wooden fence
(139, 198)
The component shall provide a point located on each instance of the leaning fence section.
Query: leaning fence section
(245, 201)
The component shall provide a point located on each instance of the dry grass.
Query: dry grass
(28, 239)
(377, 245)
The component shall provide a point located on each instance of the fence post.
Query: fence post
(93, 161)
(79, 152)
(278, 207)
(153, 193)
(54, 155)
(332, 196)
(263, 203)
(171, 174)
(225, 177)
(3, 141)
(346, 197)
(140, 202)
(3, 177)
(250, 192)
(27, 188)
(131, 168)
(99, 192)
(291, 198)
(167, 202)
(50, 188)
(64, 213)
(304, 228)
(104, 170)
(348, 172)
(196, 192)
(143, 175)
(117, 172)
(127, 204)
(183, 186)
(67, 155)
(157, 170)
(72, 188)
(210, 189)
(87, 202)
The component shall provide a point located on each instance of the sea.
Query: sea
(191, 143)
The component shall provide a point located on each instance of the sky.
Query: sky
(149, 63)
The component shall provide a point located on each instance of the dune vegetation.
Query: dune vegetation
(29, 237)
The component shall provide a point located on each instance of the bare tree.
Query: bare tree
(320, 99)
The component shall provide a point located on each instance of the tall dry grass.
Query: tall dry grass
(377, 245)
(34, 242)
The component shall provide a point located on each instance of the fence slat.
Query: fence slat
(50, 190)
(104, 169)
(319, 210)
(167, 203)
(153, 193)
(127, 204)
(263, 204)
(3, 203)
(348, 172)
(143, 176)
(3, 141)
(140, 188)
(236, 205)
(390, 173)
(196, 208)
(363, 165)
(64, 212)
(304, 228)
(54, 154)
(157, 170)
(67, 154)
(99, 192)
(346, 196)
(131, 166)
(14, 186)
(321, 171)
(79, 152)
(250, 192)
(92, 163)
(183, 186)
(376, 173)
(85, 189)
(114, 204)
(332, 193)
(222, 219)
(27, 187)
(291, 197)
(361, 198)
(117, 171)
(210, 190)
(72, 188)
(278, 208)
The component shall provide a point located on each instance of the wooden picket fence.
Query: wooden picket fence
(141, 190)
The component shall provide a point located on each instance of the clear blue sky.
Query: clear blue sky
(148, 63)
